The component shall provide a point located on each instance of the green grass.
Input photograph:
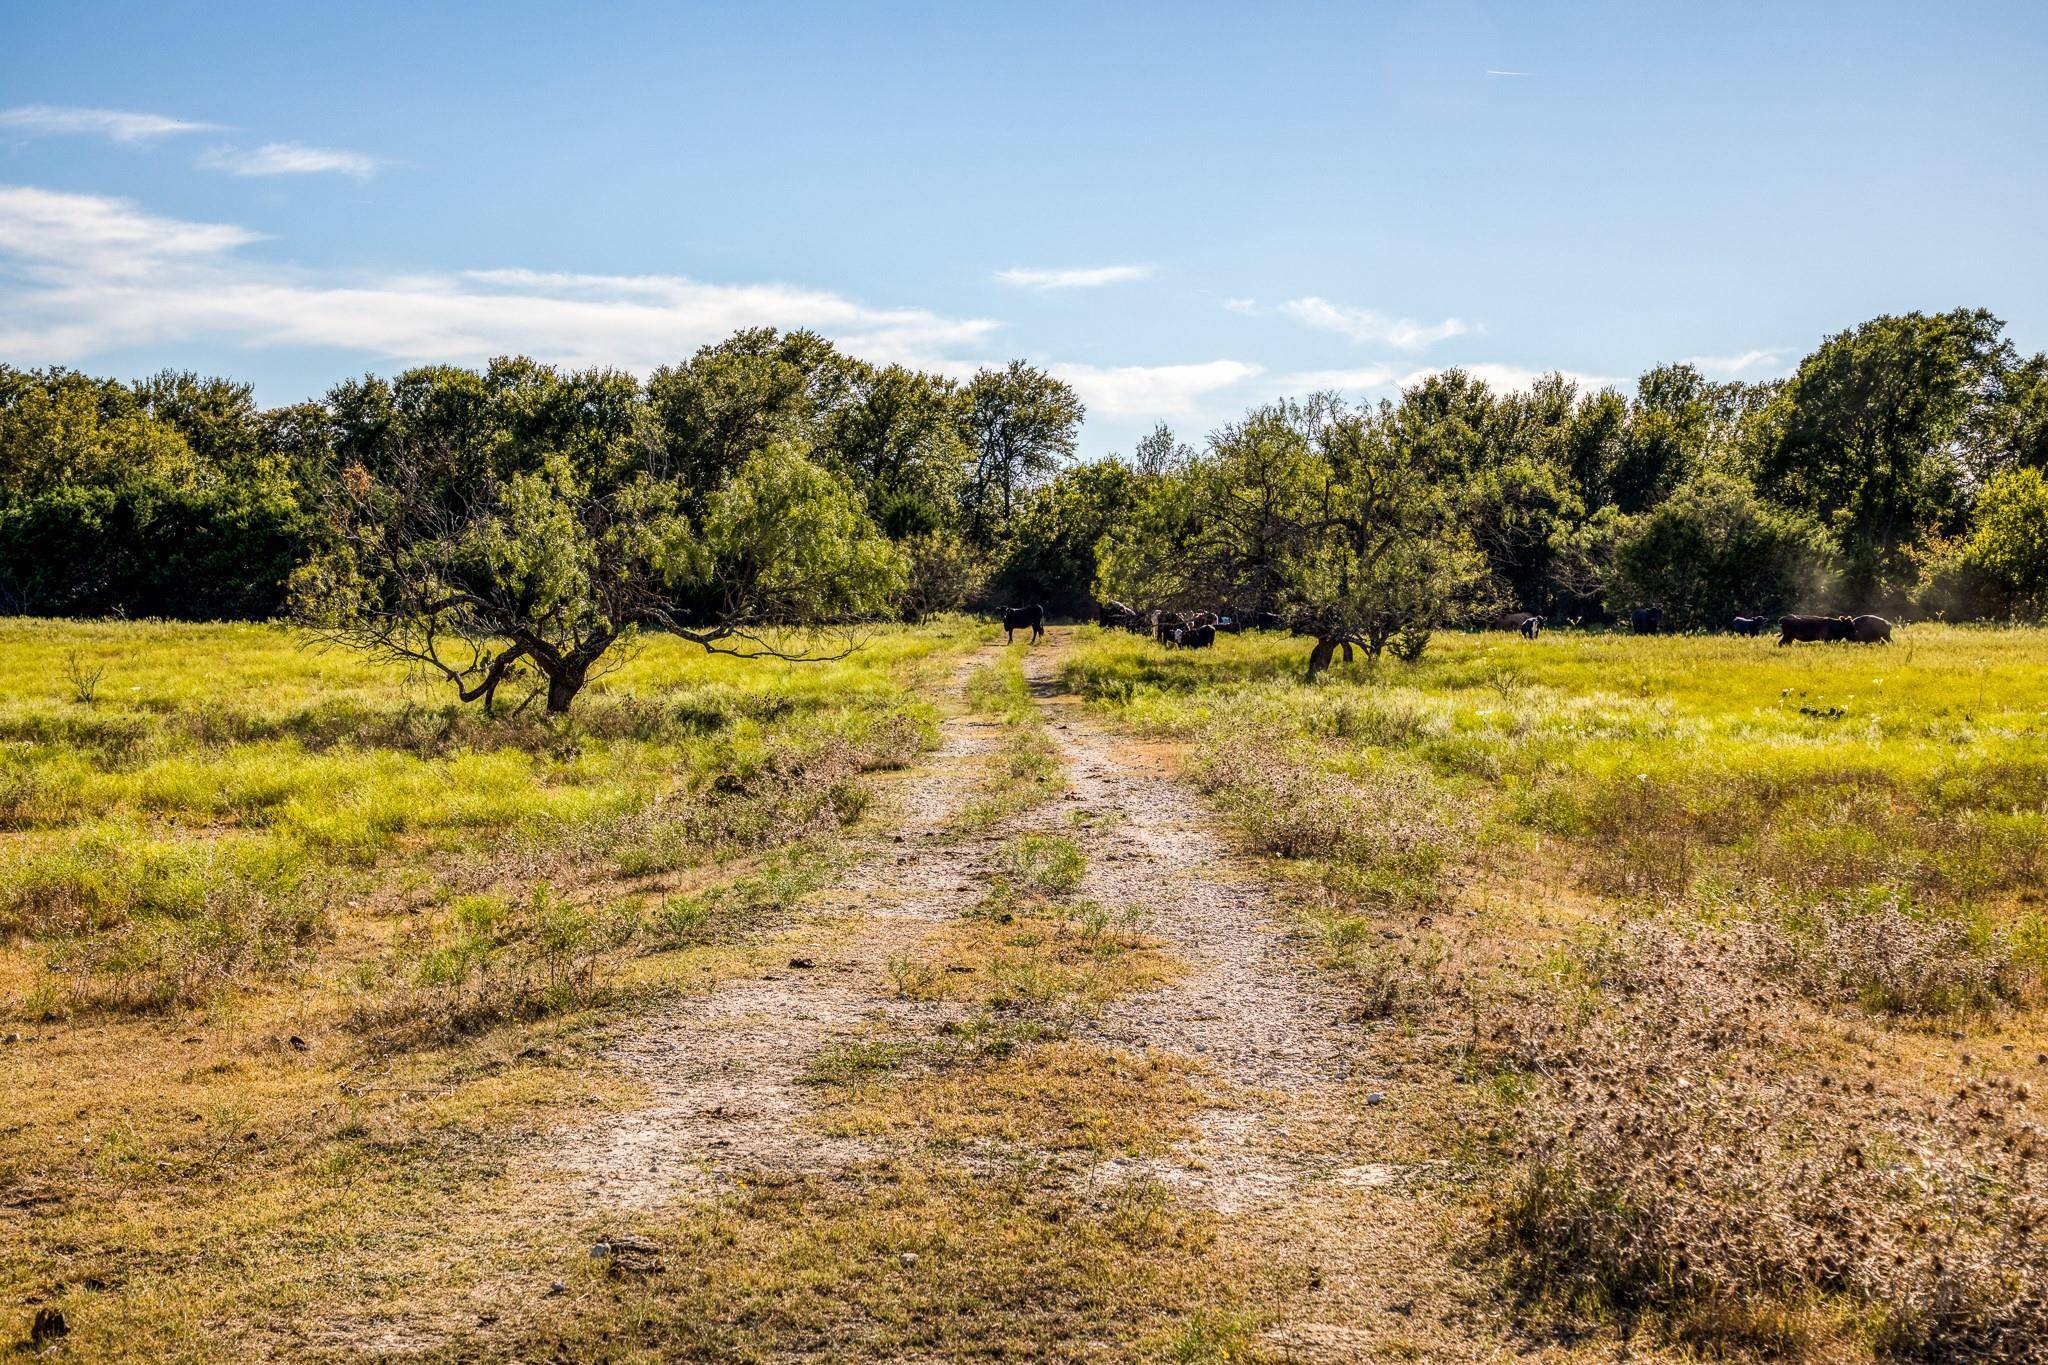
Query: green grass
(1744, 946)
(1669, 762)
(199, 819)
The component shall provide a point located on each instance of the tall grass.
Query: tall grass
(1710, 1110)
(193, 820)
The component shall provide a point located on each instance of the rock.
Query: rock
(908, 1258)
(14, 1037)
(600, 1250)
(1376, 1097)
(49, 1325)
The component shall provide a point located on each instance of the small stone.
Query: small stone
(908, 1258)
(556, 1287)
(14, 1037)
(1376, 1097)
(298, 1044)
(600, 1250)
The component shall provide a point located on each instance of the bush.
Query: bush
(2001, 569)
(1677, 1161)
(1714, 549)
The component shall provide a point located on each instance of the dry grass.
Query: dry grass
(1680, 1150)
(1742, 951)
(299, 960)
(910, 1262)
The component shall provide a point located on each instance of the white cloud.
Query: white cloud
(1366, 325)
(1153, 390)
(1515, 378)
(1731, 366)
(1245, 306)
(86, 234)
(1074, 277)
(1362, 380)
(86, 273)
(290, 158)
(118, 125)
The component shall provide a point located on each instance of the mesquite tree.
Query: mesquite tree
(526, 521)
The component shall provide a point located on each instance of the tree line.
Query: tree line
(772, 480)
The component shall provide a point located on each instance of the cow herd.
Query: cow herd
(1867, 630)
(1198, 629)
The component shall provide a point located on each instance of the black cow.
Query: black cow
(1813, 628)
(1515, 620)
(1114, 614)
(1017, 618)
(1750, 625)
(1870, 630)
(1532, 627)
(1197, 637)
(1646, 620)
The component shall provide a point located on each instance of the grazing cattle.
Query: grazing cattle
(1017, 618)
(1813, 628)
(1532, 627)
(1870, 630)
(1113, 614)
(1197, 637)
(1750, 625)
(1515, 620)
(1646, 620)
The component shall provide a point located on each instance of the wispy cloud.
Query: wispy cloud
(1074, 277)
(1246, 306)
(1365, 325)
(290, 158)
(1495, 71)
(1154, 390)
(1515, 378)
(85, 274)
(1733, 366)
(1366, 379)
(117, 125)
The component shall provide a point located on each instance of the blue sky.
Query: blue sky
(1184, 208)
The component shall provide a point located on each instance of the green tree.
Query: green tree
(1715, 549)
(1020, 423)
(2004, 561)
(1868, 437)
(1051, 554)
(488, 525)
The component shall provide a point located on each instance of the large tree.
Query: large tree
(522, 520)
(1869, 437)
(1020, 423)
(1344, 523)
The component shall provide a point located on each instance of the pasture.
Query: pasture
(1680, 991)
(294, 949)
(1738, 952)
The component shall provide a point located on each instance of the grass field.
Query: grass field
(1742, 948)
(1712, 975)
(293, 949)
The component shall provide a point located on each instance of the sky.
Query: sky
(1183, 209)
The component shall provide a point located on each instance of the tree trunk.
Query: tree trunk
(563, 685)
(1319, 657)
(1347, 652)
